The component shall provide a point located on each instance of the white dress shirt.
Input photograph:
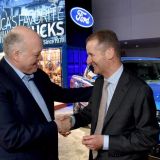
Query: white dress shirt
(113, 80)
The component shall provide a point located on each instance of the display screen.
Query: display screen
(46, 17)
(51, 64)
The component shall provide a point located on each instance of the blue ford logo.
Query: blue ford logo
(81, 17)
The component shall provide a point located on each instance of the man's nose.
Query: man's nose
(89, 61)
(40, 57)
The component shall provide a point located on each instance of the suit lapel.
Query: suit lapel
(6, 69)
(12, 75)
(118, 96)
(16, 81)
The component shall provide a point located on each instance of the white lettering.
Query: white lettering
(51, 30)
(81, 17)
(43, 31)
(60, 28)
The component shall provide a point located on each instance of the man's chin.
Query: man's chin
(34, 70)
(96, 72)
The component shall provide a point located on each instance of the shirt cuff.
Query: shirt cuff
(106, 142)
(73, 120)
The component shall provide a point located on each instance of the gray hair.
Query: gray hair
(10, 42)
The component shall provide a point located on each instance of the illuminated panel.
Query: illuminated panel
(51, 64)
(46, 17)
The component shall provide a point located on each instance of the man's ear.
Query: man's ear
(15, 55)
(109, 53)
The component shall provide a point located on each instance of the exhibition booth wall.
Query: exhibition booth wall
(64, 41)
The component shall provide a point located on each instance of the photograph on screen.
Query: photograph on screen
(51, 64)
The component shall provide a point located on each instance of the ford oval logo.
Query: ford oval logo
(81, 17)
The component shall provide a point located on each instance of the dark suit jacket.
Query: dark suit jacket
(130, 121)
(25, 134)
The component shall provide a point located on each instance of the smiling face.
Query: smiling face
(29, 57)
(97, 56)
(103, 51)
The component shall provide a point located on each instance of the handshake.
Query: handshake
(64, 124)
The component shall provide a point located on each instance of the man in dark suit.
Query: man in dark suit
(27, 127)
(129, 128)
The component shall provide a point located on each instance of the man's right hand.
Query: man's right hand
(63, 122)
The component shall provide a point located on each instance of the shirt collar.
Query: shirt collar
(19, 73)
(115, 77)
(27, 77)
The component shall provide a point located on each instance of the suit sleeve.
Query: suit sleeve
(83, 118)
(143, 135)
(87, 115)
(69, 95)
(66, 95)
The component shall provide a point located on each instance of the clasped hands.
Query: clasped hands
(93, 142)
(63, 122)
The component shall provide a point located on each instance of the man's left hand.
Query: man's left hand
(93, 142)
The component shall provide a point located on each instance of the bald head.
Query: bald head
(24, 31)
(22, 47)
(18, 39)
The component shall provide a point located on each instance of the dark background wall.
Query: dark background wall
(131, 19)
(76, 35)
(134, 20)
